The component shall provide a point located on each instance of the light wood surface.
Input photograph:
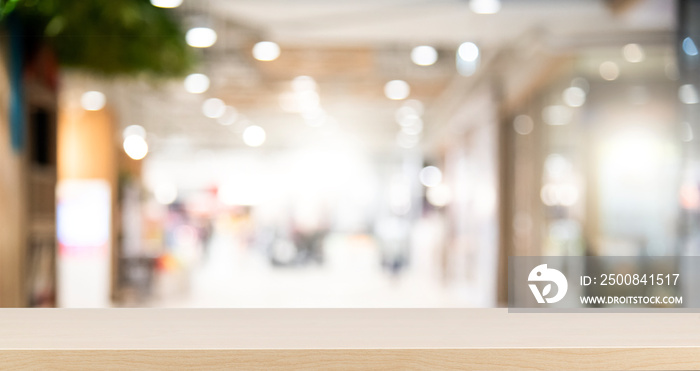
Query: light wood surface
(344, 339)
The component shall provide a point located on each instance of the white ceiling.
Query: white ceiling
(436, 22)
(389, 28)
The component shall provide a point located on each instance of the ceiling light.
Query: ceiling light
(689, 47)
(266, 51)
(93, 100)
(574, 96)
(135, 147)
(523, 124)
(468, 52)
(213, 108)
(633, 53)
(430, 176)
(254, 136)
(397, 89)
(424, 55)
(485, 6)
(609, 70)
(688, 94)
(229, 117)
(166, 3)
(200, 37)
(196, 83)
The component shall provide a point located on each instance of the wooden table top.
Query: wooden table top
(493, 337)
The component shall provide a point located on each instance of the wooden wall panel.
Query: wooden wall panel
(12, 212)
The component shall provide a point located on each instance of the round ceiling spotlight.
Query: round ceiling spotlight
(468, 52)
(574, 96)
(200, 37)
(135, 147)
(633, 53)
(197, 83)
(688, 94)
(397, 89)
(166, 3)
(467, 60)
(609, 70)
(689, 47)
(213, 108)
(229, 117)
(523, 124)
(266, 51)
(430, 176)
(424, 55)
(254, 136)
(485, 6)
(93, 100)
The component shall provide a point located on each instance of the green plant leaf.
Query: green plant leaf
(110, 38)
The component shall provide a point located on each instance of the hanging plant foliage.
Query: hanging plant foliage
(109, 38)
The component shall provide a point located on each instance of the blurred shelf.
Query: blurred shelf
(388, 339)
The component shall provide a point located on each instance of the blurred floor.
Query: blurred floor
(234, 277)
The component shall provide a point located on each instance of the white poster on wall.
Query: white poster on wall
(83, 227)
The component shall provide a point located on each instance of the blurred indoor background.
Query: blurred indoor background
(383, 153)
